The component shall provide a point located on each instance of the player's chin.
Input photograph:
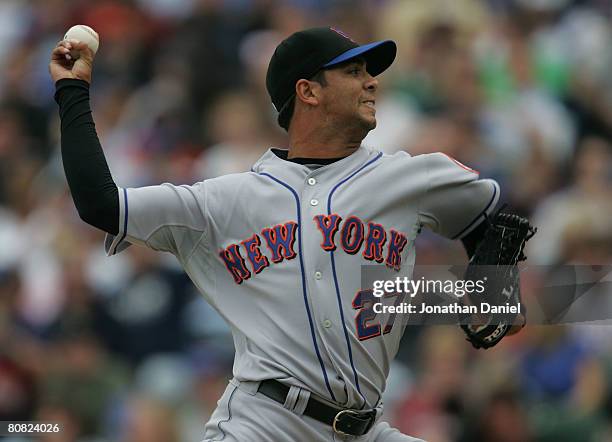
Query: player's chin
(368, 120)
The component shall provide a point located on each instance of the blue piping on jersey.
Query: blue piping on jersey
(480, 214)
(312, 332)
(229, 412)
(125, 220)
(333, 265)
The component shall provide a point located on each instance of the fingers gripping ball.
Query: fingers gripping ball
(84, 34)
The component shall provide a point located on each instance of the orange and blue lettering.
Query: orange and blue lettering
(351, 236)
(374, 242)
(280, 240)
(258, 261)
(396, 246)
(364, 302)
(235, 263)
(328, 226)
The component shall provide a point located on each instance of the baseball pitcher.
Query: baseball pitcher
(278, 250)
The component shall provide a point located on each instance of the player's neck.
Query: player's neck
(318, 143)
(321, 151)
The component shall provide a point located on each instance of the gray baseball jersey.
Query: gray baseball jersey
(277, 251)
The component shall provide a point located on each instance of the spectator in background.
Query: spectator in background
(434, 409)
(577, 220)
(145, 316)
(504, 419)
(148, 420)
(81, 381)
(239, 136)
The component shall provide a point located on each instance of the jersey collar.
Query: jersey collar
(271, 163)
(282, 153)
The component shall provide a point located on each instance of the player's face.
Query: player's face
(350, 95)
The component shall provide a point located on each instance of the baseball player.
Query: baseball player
(278, 250)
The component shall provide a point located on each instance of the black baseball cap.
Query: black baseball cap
(304, 53)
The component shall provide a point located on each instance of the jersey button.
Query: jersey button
(327, 323)
(314, 202)
(312, 181)
(318, 275)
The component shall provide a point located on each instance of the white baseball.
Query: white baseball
(84, 34)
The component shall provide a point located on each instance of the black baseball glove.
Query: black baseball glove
(495, 261)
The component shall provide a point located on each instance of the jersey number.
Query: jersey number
(364, 320)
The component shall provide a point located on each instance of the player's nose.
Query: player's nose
(371, 84)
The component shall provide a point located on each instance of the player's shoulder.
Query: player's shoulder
(442, 160)
(387, 157)
(231, 180)
(433, 161)
(403, 155)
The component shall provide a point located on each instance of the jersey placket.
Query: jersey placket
(321, 285)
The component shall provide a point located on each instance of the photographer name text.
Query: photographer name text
(454, 308)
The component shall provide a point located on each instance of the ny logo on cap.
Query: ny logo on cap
(338, 31)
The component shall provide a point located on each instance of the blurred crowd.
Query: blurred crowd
(124, 349)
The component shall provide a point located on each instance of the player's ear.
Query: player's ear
(307, 92)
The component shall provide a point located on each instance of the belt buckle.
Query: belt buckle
(340, 413)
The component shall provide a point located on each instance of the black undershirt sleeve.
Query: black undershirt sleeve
(94, 192)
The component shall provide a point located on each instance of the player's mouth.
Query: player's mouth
(370, 103)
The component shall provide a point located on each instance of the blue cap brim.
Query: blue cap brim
(378, 56)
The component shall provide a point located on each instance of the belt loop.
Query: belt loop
(292, 397)
(249, 387)
(302, 401)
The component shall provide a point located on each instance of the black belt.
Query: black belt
(345, 422)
